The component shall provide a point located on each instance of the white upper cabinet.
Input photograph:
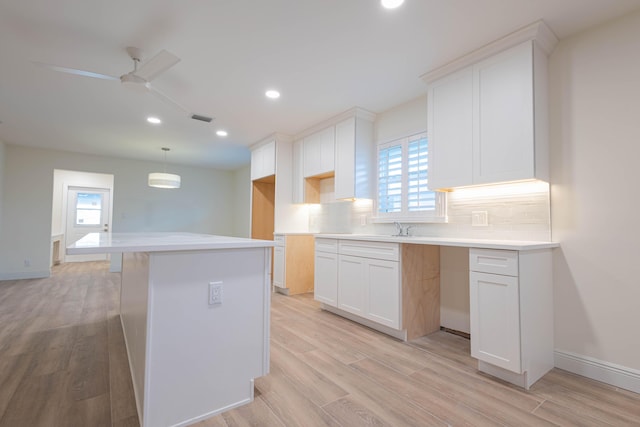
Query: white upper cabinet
(355, 158)
(297, 183)
(263, 160)
(503, 120)
(450, 121)
(487, 113)
(319, 153)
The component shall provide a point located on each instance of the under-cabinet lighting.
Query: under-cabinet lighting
(500, 190)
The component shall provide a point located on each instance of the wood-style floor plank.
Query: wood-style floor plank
(63, 362)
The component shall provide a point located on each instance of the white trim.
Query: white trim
(358, 112)
(599, 370)
(21, 275)
(538, 32)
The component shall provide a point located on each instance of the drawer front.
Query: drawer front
(494, 261)
(279, 239)
(326, 245)
(376, 250)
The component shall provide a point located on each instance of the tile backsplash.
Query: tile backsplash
(518, 211)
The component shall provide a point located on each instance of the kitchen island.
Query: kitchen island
(195, 315)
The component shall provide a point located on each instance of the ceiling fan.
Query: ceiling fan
(140, 77)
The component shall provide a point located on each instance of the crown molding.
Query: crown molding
(357, 112)
(539, 32)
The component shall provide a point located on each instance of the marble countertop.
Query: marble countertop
(517, 245)
(100, 243)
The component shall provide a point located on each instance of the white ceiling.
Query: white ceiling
(325, 56)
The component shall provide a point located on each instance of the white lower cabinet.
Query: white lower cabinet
(383, 292)
(370, 288)
(360, 278)
(511, 313)
(278, 266)
(352, 284)
(325, 287)
(495, 320)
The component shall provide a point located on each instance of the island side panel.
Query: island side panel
(202, 358)
(133, 316)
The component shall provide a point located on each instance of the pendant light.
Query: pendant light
(164, 179)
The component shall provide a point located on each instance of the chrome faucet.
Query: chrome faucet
(401, 231)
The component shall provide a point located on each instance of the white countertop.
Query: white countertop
(100, 243)
(516, 245)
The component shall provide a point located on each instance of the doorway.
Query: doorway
(88, 211)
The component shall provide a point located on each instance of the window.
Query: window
(88, 209)
(403, 192)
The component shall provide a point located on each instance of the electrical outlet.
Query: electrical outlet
(363, 220)
(215, 293)
(27, 263)
(479, 219)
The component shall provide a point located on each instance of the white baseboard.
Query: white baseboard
(610, 373)
(43, 274)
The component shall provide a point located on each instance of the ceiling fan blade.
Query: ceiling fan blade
(157, 65)
(77, 72)
(168, 100)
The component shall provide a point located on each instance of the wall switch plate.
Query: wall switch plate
(363, 220)
(215, 293)
(479, 218)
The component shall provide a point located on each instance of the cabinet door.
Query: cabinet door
(325, 287)
(263, 161)
(256, 163)
(269, 159)
(450, 130)
(495, 320)
(278, 266)
(327, 150)
(503, 140)
(311, 153)
(383, 292)
(298, 179)
(345, 159)
(351, 284)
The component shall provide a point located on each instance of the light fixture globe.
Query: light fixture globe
(164, 180)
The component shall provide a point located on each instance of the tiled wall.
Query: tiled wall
(515, 212)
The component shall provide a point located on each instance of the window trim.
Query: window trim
(437, 215)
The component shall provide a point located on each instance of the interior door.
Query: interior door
(87, 212)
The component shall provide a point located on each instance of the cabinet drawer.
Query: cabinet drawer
(278, 239)
(377, 250)
(494, 261)
(327, 245)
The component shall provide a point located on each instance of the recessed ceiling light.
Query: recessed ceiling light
(154, 120)
(221, 132)
(273, 94)
(391, 4)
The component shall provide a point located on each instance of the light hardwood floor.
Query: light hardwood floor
(63, 363)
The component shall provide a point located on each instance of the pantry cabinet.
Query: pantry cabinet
(263, 161)
(487, 120)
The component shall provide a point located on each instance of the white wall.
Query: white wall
(595, 139)
(205, 203)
